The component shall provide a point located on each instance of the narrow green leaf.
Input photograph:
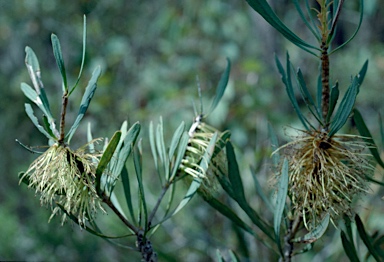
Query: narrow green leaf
(35, 98)
(105, 158)
(28, 148)
(29, 111)
(33, 67)
(128, 143)
(138, 163)
(47, 126)
(265, 10)
(357, 29)
(160, 145)
(349, 234)
(153, 144)
(349, 248)
(274, 145)
(315, 234)
(196, 181)
(345, 108)
(286, 78)
(226, 185)
(176, 139)
(219, 256)
(127, 193)
(221, 87)
(59, 60)
(83, 56)
(87, 97)
(234, 174)
(307, 97)
(180, 154)
(366, 238)
(233, 256)
(314, 29)
(335, 92)
(236, 191)
(228, 213)
(280, 203)
(364, 131)
(363, 71)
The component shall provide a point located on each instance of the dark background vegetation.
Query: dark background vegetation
(150, 53)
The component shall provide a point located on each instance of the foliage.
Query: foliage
(228, 189)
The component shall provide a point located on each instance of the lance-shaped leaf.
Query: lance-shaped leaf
(29, 111)
(124, 152)
(180, 154)
(316, 233)
(59, 60)
(335, 92)
(35, 74)
(307, 97)
(313, 28)
(105, 158)
(153, 143)
(83, 55)
(361, 75)
(286, 78)
(364, 131)
(138, 164)
(234, 174)
(345, 108)
(349, 248)
(127, 193)
(274, 145)
(221, 87)
(357, 29)
(367, 239)
(265, 10)
(349, 234)
(160, 146)
(176, 139)
(87, 97)
(236, 191)
(280, 203)
(196, 182)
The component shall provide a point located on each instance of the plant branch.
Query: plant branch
(325, 81)
(62, 118)
(108, 201)
(153, 212)
(288, 244)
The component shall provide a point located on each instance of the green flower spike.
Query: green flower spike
(200, 136)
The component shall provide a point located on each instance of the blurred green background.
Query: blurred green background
(151, 53)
